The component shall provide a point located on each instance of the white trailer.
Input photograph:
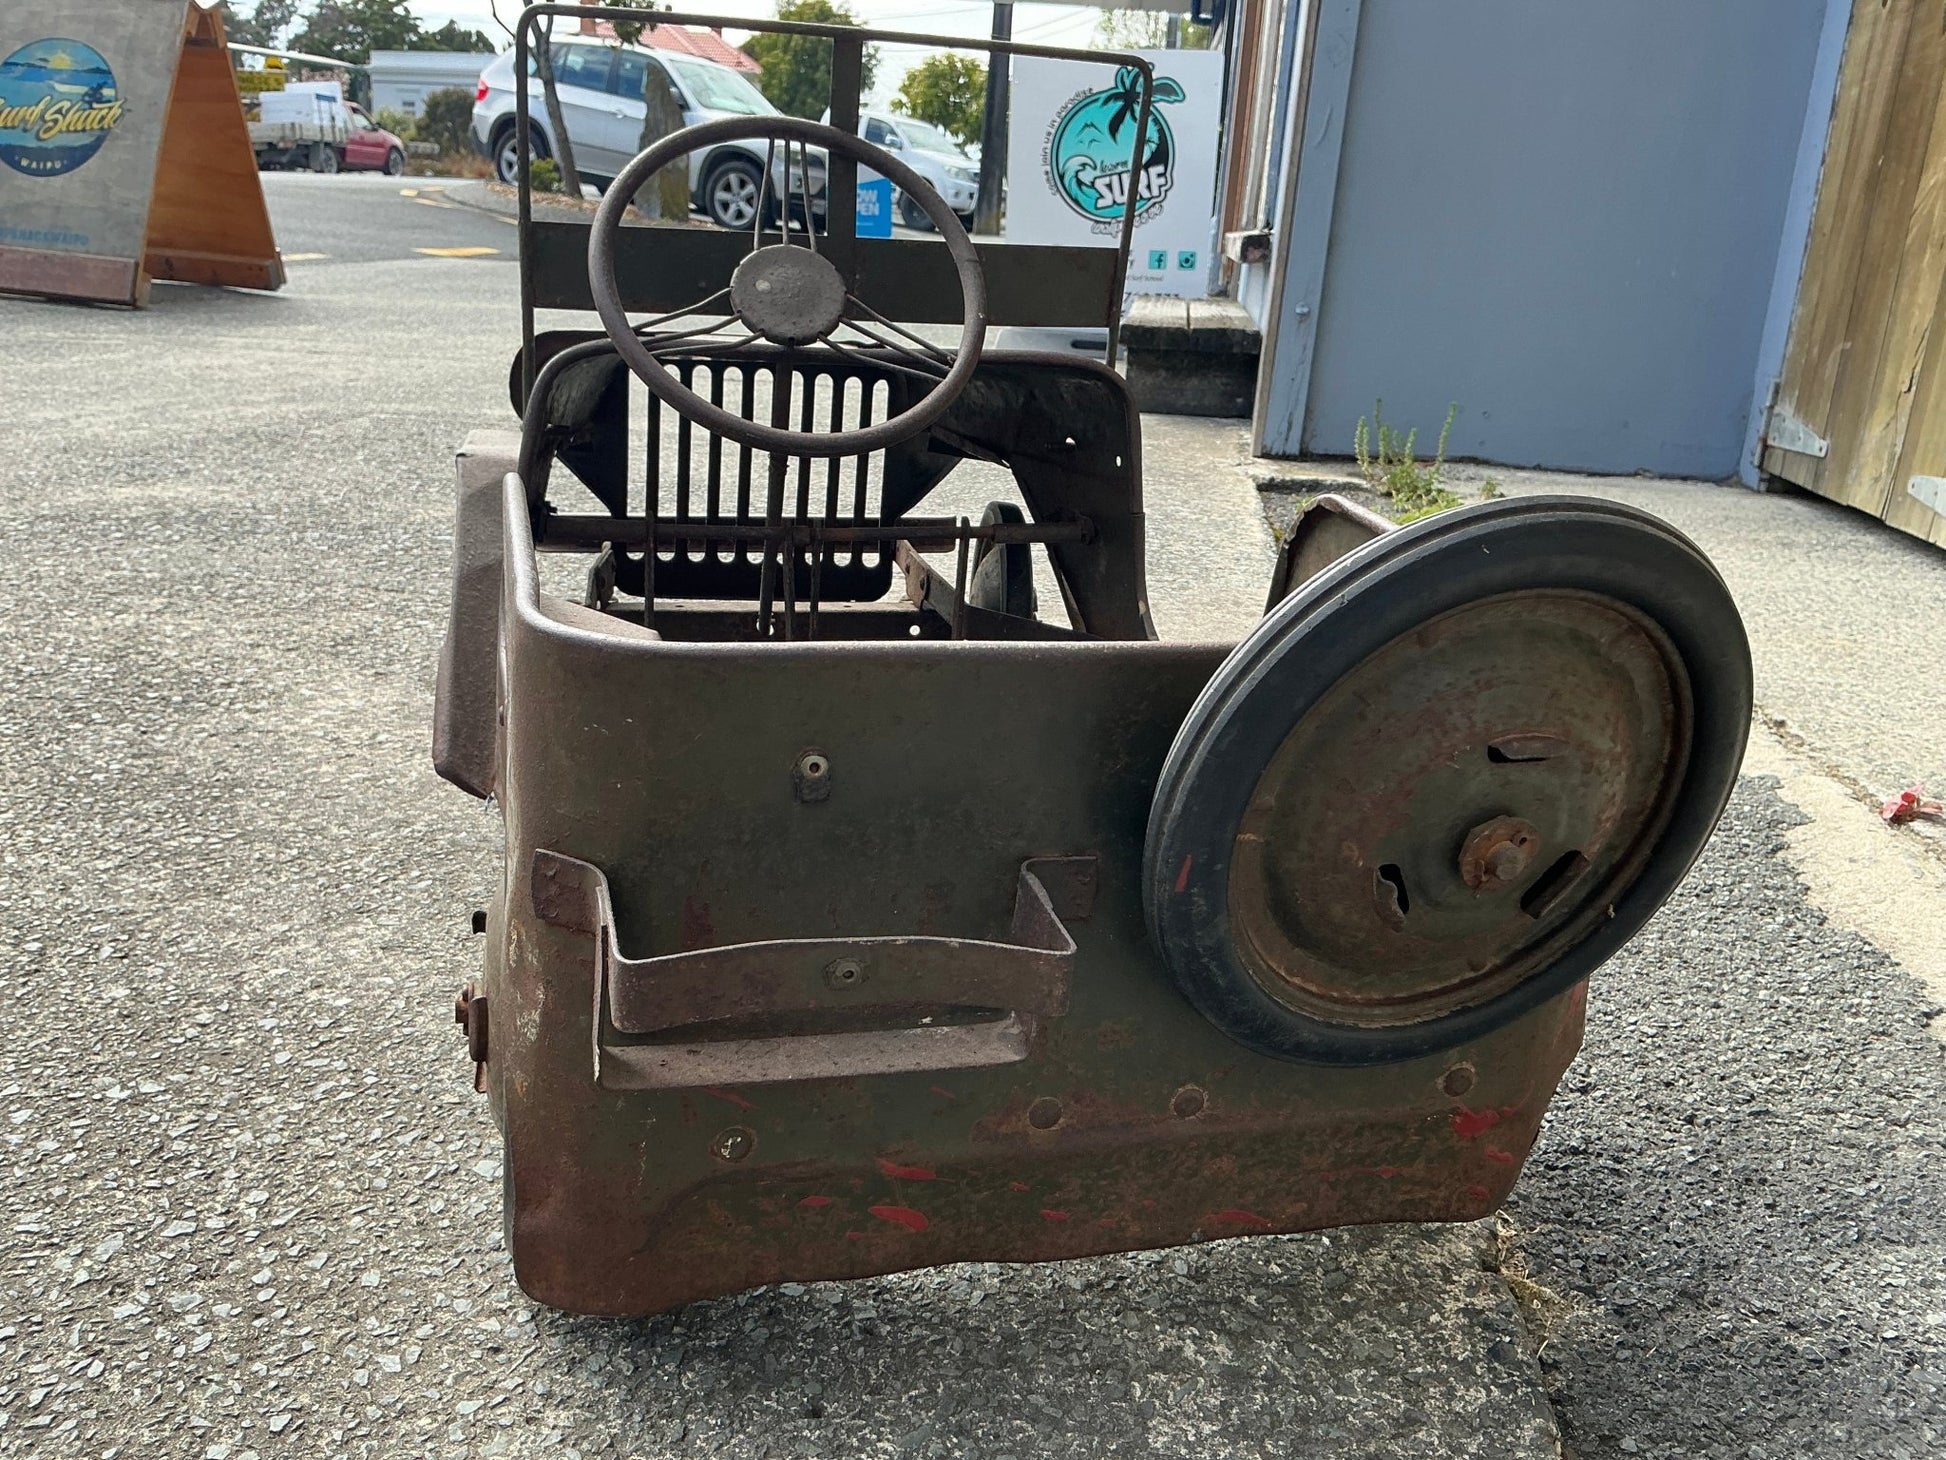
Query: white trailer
(304, 125)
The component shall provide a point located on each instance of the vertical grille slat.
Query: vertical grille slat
(705, 483)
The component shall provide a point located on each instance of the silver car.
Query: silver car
(601, 84)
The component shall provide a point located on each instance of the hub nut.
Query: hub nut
(1498, 853)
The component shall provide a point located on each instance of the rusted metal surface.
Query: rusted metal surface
(824, 943)
(785, 985)
(1497, 853)
(646, 1171)
(1366, 884)
(1323, 533)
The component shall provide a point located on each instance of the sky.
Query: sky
(1048, 25)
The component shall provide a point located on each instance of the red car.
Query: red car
(369, 147)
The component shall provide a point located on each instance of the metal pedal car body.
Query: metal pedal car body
(842, 933)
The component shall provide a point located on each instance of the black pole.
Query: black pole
(993, 127)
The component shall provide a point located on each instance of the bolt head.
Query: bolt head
(844, 973)
(1497, 853)
(733, 1143)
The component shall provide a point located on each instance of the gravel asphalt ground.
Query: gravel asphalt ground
(251, 1204)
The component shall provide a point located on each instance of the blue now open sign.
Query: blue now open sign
(875, 208)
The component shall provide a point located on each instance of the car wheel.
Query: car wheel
(912, 215)
(730, 195)
(324, 157)
(506, 154)
(394, 163)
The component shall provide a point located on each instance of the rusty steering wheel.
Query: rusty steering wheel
(790, 295)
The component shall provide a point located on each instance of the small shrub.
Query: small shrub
(544, 175)
(446, 121)
(1386, 461)
(399, 123)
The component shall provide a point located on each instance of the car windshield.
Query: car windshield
(929, 138)
(719, 89)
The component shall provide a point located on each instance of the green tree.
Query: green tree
(797, 68)
(262, 26)
(352, 29)
(1148, 30)
(450, 37)
(950, 91)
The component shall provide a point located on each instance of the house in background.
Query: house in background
(685, 40)
(401, 80)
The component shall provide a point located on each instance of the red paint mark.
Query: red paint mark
(1479, 1193)
(905, 1173)
(1182, 877)
(697, 930)
(1385, 1173)
(943, 1092)
(1505, 1158)
(1047, 1216)
(815, 1202)
(854, 1236)
(1470, 1123)
(1236, 1216)
(1017, 1186)
(731, 1096)
(901, 1216)
(1148, 1201)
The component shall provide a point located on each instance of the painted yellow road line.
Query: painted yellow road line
(457, 253)
(408, 192)
(304, 258)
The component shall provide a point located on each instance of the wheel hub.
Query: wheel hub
(1459, 807)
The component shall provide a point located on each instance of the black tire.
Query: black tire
(731, 190)
(395, 163)
(1002, 580)
(1383, 597)
(912, 215)
(324, 158)
(506, 151)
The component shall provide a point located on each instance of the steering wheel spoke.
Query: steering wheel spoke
(791, 295)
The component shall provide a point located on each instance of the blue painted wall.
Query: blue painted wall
(1565, 217)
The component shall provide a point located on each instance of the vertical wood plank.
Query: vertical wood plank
(1873, 51)
(1885, 280)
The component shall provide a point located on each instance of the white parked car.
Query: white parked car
(931, 153)
(601, 85)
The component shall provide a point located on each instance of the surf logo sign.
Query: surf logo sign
(1091, 142)
(58, 103)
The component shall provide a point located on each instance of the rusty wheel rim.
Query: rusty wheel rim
(1461, 808)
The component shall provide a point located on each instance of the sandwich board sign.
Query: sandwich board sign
(124, 155)
(1070, 137)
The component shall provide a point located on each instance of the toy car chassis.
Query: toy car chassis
(843, 932)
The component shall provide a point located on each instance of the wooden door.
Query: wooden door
(1860, 413)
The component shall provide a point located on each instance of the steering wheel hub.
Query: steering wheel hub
(790, 296)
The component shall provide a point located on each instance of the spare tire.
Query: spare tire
(1446, 779)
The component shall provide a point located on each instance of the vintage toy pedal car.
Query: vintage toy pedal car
(844, 931)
